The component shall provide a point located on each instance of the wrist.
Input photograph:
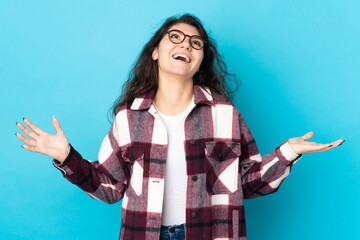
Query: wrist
(64, 155)
(291, 148)
(287, 152)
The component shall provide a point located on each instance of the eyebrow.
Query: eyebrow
(184, 33)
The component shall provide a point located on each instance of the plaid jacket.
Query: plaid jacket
(223, 163)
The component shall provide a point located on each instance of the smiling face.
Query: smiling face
(178, 59)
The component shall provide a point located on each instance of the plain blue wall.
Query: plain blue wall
(298, 62)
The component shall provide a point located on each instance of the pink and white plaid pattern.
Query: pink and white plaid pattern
(223, 168)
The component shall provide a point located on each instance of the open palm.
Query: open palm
(300, 144)
(55, 146)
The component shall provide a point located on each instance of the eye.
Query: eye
(175, 36)
(197, 43)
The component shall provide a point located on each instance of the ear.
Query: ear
(155, 54)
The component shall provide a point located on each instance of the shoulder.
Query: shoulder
(122, 111)
(220, 101)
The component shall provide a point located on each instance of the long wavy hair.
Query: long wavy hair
(143, 76)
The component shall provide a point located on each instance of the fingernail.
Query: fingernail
(15, 134)
(22, 146)
(16, 123)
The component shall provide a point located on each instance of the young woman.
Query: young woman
(178, 152)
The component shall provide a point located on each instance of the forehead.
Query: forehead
(185, 28)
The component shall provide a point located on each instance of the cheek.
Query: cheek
(162, 52)
(201, 59)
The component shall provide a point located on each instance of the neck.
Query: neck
(173, 95)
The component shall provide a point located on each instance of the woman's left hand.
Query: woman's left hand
(300, 145)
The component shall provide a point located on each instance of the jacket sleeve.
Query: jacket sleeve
(104, 179)
(262, 175)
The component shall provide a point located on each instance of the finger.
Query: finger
(28, 133)
(334, 144)
(25, 140)
(319, 148)
(32, 149)
(338, 142)
(329, 146)
(56, 124)
(35, 129)
(308, 136)
(324, 149)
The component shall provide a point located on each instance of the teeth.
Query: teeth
(177, 56)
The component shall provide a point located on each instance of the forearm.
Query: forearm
(90, 177)
(264, 175)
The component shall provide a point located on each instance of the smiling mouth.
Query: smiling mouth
(181, 57)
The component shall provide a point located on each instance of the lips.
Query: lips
(181, 57)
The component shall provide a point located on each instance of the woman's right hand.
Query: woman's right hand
(55, 146)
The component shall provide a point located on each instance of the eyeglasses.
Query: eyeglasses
(177, 36)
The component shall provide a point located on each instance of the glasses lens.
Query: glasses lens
(176, 36)
(197, 42)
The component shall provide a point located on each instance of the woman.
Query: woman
(175, 112)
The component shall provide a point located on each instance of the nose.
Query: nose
(186, 43)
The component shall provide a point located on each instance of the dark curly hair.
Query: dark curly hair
(143, 76)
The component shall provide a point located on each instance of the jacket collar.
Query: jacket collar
(201, 96)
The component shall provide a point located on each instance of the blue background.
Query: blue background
(298, 62)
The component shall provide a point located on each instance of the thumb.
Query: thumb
(308, 135)
(56, 124)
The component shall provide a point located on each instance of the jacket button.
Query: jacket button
(193, 214)
(192, 141)
(194, 178)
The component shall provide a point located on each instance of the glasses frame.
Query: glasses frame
(185, 35)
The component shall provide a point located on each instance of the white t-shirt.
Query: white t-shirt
(174, 204)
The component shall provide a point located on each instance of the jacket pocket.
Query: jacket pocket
(135, 158)
(223, 167)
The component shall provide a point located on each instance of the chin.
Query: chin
(184, 75)
(182, 72)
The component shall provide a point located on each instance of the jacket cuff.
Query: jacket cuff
(63, 166)
(287, 155)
